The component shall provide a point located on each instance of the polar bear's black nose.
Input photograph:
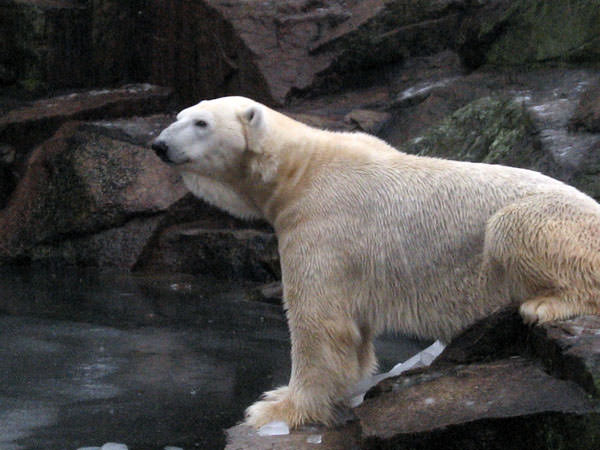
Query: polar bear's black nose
(161, 149)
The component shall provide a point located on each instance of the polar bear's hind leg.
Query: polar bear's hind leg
(549, 249)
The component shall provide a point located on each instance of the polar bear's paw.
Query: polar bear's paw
(280, 405)
(275, 406)
(544, 309)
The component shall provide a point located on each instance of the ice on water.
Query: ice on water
(115, 446)
(107, 446)
(421, 359)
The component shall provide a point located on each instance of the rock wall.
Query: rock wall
(427, 76)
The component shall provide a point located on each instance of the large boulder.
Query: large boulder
(498, 385)
(239, 253)
(489, 130)
(81, 182)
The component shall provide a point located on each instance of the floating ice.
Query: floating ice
(421, 359)
(277, 428)
(107, 446)
(113, 446)
(170, 447)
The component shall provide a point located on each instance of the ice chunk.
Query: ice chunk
(113, 446)
(170, 447)
(277, 428)
(314, 439)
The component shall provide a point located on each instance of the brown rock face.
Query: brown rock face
(259, 49)
(80, 182)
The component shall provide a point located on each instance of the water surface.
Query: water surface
(149, 361)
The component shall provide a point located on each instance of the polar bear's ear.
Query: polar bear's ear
(252, 116)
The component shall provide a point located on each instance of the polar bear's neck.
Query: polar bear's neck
(220, 195)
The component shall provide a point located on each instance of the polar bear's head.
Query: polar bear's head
(214, 145)
(210, 137)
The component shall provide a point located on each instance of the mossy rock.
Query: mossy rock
(545, 30)
(489, 130)
(588, 178)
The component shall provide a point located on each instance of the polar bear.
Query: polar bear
(372, 239)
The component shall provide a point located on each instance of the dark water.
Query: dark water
(148, 361)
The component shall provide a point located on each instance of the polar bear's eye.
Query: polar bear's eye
(201, 123)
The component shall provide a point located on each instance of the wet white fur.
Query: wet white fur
(372, 239)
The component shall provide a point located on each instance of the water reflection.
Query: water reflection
(150, 361)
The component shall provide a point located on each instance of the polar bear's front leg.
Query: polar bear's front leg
(327, 360)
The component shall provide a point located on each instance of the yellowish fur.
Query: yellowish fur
(372, 239)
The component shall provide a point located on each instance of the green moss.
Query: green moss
(490, 130)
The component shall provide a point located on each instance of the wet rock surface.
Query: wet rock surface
(498, 385)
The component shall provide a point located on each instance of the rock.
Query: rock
(480, 342)
(46, 43)
(500, 384)
(428, 89)
(30, 125)
(243, 437)
(79, 183)
(397, 29)
(490, 130)
(267, 293)
(135, 130)
(587, 114)
(586, 174)
(232, 254)
(7, 175)
(570, 350)
(196, 238)
(366, 120)
(552, 97)
(458, 407)
(119, 246)
(262, 50)
(492, 32)
(292, 48)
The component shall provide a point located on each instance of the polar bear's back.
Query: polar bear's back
(409, 232)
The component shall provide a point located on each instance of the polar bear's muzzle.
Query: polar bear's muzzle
(162, 150)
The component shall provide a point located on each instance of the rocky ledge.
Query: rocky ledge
(498, 385)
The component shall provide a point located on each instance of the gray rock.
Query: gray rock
(570, 349)
(587, 114)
